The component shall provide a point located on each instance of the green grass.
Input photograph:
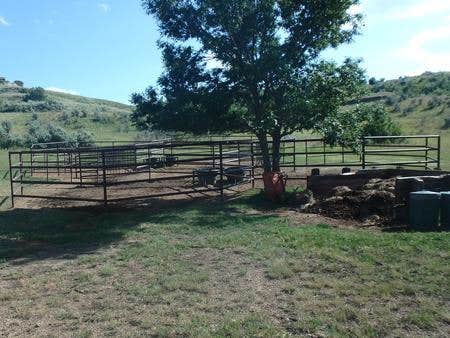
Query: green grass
(233, 269)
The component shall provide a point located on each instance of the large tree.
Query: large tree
(249, 65)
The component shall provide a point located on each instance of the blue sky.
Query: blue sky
(107, 48)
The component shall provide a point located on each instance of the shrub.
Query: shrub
(348, 127)
(35, 94)
(446, 124)
(18, 83)
(99, 117)
(46, 132)
(7, 139)
(39, 131)
(83, 139)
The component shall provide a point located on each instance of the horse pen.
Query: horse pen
(160, 169)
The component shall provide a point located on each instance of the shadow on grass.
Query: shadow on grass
(38, 234)
(52, 233)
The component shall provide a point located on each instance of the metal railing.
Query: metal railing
(169, 168)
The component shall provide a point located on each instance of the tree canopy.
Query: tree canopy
(250, 65)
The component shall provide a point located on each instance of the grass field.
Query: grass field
(234, 269)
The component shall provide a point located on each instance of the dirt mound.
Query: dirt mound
(373, 204)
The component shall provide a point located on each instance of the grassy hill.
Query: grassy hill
(104, 119)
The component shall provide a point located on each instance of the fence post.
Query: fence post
(426, 153)
(57, 158)
(306, 153)
(21, 173)
(239, 153)
(221, 169)
(149, 164)
(11, 181)
(439, 153)
(80, 169)
(105, 195)
(253, 164)
(363, 153)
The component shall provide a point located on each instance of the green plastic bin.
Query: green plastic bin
(424, 210)
(445, 210)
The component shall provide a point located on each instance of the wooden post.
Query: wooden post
(253, 164)
(105, 195)
(214, 154)
(426, 153)
(11, 182)
(221, 170)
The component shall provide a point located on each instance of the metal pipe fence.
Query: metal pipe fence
(116, 173)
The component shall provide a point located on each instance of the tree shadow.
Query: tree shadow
(38, 234)
(63, 233)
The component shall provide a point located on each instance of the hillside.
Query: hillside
(421, 104)
(102, 118)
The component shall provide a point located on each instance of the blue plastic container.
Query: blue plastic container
(424, 210)
(445, 210)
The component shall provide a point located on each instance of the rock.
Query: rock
(342, 191)
(372, 220)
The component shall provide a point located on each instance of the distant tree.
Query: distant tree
(2, 80)
(372, 81)
(19, 83)
(35, 94)
(250, 65)
(349, 126)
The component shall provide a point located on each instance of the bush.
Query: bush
(100, 117)
(377, 122)
(18, 83)
(446, 124)
(35, 94)
(348, 127)
(46, 132)
(83, 139)
(7, 139)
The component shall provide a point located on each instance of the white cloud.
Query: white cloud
(421, 9)
(3, 21)
(426, 60)
(60, 90)
(104, 7)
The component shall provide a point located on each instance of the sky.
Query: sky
(107, 48)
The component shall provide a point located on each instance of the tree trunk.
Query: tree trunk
(264, 145)
(276, 139)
